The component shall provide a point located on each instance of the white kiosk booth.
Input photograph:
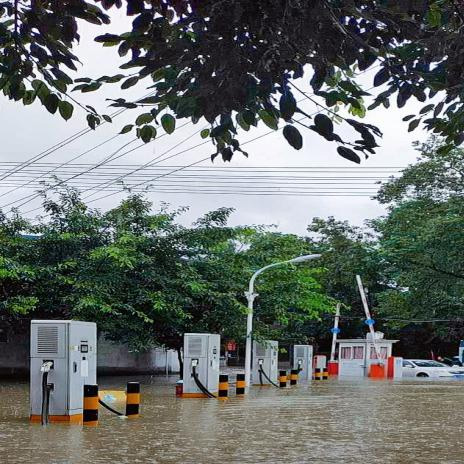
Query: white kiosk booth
(355, 355)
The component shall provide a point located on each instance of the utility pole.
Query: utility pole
(369, 321)
(335, 331)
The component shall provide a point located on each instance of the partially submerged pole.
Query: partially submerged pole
(335, 331)
(369, 320)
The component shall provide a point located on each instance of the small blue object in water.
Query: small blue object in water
(369, 321)
(335, 330)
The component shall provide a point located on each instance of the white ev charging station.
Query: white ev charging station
(265, 362)
(201, 364)
(303, 361)
(63, 359)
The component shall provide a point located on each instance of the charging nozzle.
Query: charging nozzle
(260, 362)
(46, 366)
(194, 362)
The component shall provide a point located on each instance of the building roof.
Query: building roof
(365, 340)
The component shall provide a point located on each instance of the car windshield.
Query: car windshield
(429, 364)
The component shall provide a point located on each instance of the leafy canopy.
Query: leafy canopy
(421, 242)
(147, 280)
(235, 62)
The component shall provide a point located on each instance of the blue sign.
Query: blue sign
(369, 322)
(335, 330)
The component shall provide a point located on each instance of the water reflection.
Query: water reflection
(327, 422)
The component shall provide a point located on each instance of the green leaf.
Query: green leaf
(323, 123)
(29, 97)
(381, 77)
(268, 119)
(107, 118)
(408, 117)
(144, 118)
(126, 129)
(93, 121)
(108, 38)
(349, 154)
(438, 109)
(413, 124)
(427, 108)
(83, 79)
(293, 136)
(226, 154)
(149, 100)
(249, 117)
(59, 85)
(169, 123)
(204, 133)
(51, 103)
(147, 133)
(434, 16)
(241, 122)
(404, 94)
(91, 87)
(66, 109)
(287, 105)
(129, 82)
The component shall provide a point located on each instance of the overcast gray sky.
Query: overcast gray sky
(27, 131)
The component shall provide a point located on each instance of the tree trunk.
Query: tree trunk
(181, 363)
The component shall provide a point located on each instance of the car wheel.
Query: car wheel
(422, 374)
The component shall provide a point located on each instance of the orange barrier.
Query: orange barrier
(333, 368)
(377, 371)
(390, 367)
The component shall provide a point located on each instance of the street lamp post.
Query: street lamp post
(251, 295)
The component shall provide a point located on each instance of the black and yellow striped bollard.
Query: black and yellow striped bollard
(223, 391)
(293, 376)
(240, 385)
(318, 373)
(282, 379)
(90, 410)
(325, 373)
(133, 400)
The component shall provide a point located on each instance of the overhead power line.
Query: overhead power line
(38, 157)
(65, 142)
(200, 160)
(173, 171)
(27, 199)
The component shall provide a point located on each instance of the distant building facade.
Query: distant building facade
(113, 358)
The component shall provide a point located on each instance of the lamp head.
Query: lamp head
(302, 259)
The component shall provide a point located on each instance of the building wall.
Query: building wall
(113, 358)
(14, 356)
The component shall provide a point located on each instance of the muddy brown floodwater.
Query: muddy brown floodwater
(332, 421)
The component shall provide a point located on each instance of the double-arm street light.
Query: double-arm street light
(251, 295)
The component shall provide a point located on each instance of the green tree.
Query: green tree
(347, 250)
(146, 280)
(435, 176)
(421, 241)
(234, 62)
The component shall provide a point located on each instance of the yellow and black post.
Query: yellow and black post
(90, 410)
(282, 379)
(318, 373)
(240, 385)
(293, 376)
(132, 400)
(325, 373)
(223, 390)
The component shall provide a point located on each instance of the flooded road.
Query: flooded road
(327, 422)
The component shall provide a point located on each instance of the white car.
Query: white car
(429, 368)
